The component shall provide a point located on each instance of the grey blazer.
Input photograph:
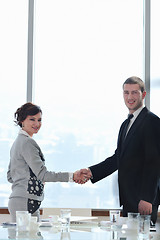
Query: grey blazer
(27, 170)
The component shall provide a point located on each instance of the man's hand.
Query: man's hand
(144, 208)
(82, 176)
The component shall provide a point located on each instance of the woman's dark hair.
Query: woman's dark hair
(28, 109)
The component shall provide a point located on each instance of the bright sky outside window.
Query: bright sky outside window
(155, 57)
(13, 71)
(84, 50)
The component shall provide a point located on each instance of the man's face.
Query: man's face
(133, 97)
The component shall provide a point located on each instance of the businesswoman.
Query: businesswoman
(27, 171)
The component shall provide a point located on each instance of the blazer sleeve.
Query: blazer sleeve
(31, 154)
(104, 169)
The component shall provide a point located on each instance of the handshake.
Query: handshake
(82, 176)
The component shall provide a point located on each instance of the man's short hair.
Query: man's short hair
(135, 80)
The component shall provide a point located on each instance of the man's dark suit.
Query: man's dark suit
(137, 161)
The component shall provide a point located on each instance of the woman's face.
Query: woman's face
(32, 124)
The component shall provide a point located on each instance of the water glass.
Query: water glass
(144, 226)
(34, 227)
(23, 221)
(65, 216)
(133, 221)
(114, 215)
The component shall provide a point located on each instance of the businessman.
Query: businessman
(137, 157)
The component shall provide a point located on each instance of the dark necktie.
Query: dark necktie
(126, 127)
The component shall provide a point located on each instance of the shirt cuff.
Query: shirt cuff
(71, 177)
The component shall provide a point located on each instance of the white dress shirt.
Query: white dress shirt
(135, 115)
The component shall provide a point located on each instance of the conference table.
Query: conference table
(92, 229)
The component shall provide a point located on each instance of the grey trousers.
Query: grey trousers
(19, 204)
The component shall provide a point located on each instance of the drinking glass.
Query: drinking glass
(23, 220)
(114, 215)
(144, 226)
(133, 221)
(65, 216)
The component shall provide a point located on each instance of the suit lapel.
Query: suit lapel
(133, 128)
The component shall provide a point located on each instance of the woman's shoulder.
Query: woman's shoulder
(26, 139)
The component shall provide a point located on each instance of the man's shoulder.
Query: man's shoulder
(152, 120)
(148, 113)
(152, 115)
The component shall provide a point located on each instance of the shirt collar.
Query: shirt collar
(21, 131)
(137, 112)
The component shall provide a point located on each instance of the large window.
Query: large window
(155, 56)
(13, 62)
(84, 50)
